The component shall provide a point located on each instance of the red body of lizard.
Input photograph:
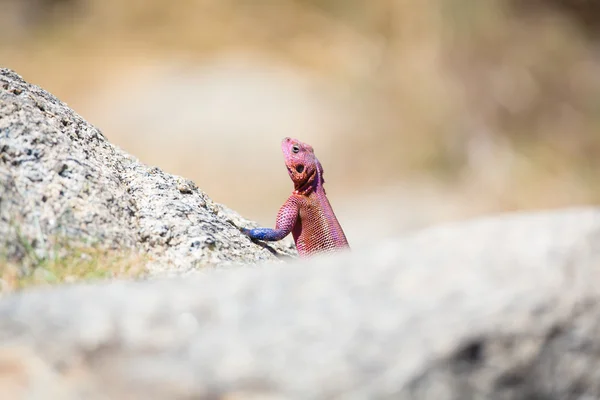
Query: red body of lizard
(307, 213)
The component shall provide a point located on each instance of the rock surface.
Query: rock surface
(59, 177)
(500, 308)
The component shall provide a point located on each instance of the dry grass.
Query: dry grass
(68, 265)
(500, 97)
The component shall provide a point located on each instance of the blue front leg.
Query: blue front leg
(267, 234)
(286, 218)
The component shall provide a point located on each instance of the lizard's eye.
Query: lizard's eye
(300, 168)
(295, 149)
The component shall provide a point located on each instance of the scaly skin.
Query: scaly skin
(307, 213)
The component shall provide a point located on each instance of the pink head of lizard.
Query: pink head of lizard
(302, 165)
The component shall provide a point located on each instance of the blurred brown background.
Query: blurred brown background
(420, 111)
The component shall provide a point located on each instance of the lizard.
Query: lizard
(307, 213)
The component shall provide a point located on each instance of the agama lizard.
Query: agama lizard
(307, 212)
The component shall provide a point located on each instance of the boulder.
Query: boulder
(60, 179)
(498, 308)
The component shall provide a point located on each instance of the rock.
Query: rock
(60, 177)
(499, 308)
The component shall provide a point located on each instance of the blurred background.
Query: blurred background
(420, 111)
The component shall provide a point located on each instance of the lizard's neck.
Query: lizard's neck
(312, 184)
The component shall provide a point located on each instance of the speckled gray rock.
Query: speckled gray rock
(59, 177)
(501, 308)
